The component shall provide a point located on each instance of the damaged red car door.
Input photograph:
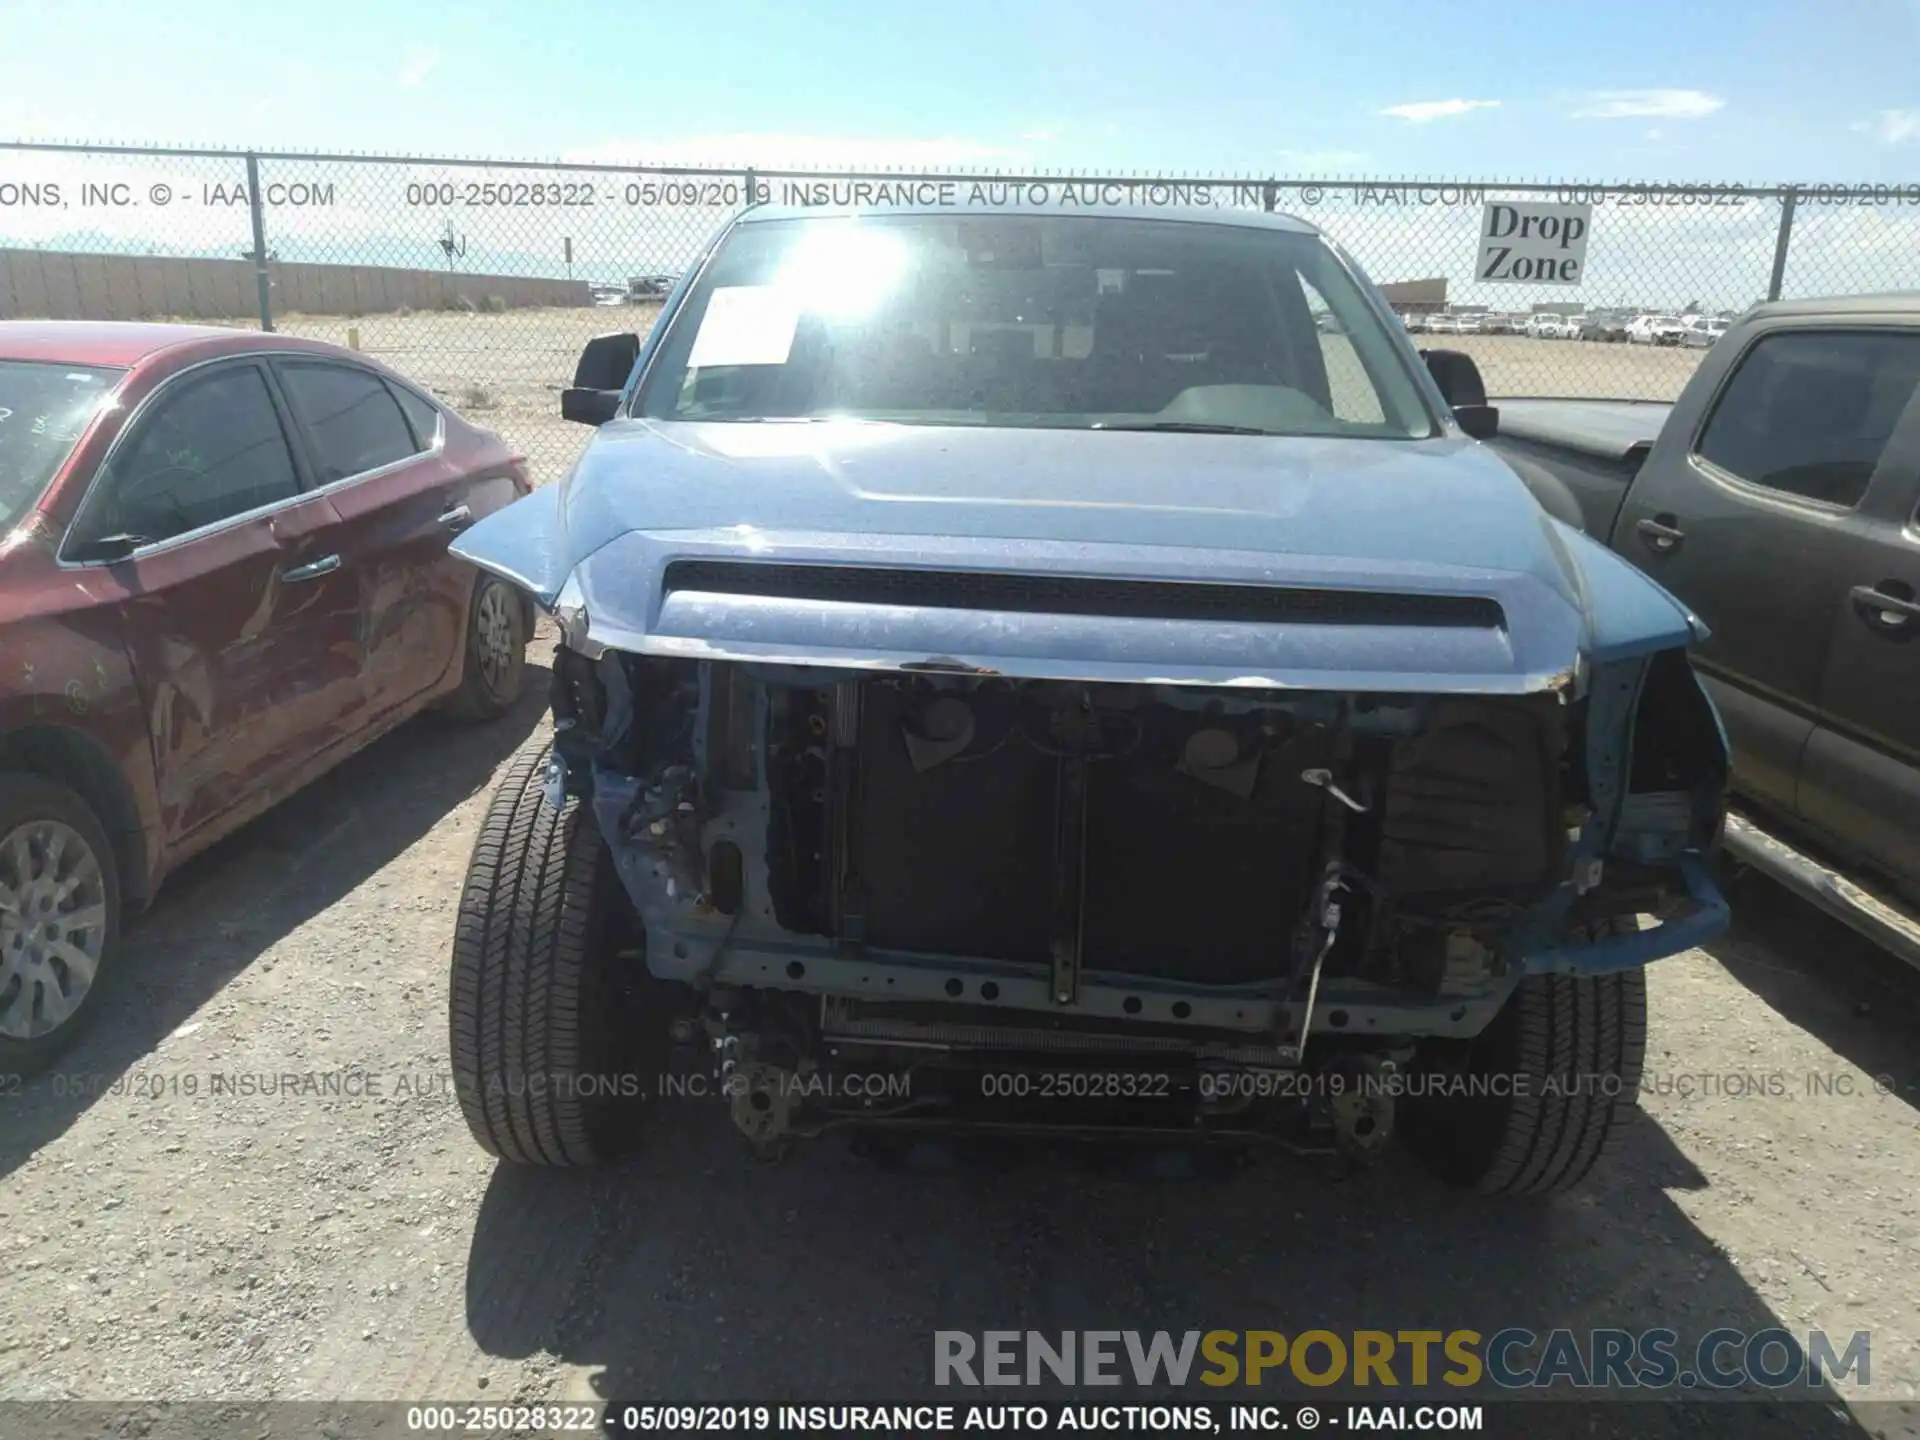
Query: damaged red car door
(240, 621)
(376, 453)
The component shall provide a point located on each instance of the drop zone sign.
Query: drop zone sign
(1535, 243)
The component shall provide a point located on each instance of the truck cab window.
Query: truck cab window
(1809, 413)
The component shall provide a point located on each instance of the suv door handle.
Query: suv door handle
(1884, 610)
(325, 565)
(1660, 534)
(458, 518)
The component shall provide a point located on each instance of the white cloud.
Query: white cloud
(1647, 104)
(1314, 161)
(1892, 127)
(800, 152)
(421, 64)
(1422, 111)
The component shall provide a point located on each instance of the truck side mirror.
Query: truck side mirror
(599, 378)
(1460, 385)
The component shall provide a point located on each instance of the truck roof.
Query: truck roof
(1885, 302)
(1192, 215)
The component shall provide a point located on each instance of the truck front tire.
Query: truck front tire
(1535, 1102)
(549, 1051)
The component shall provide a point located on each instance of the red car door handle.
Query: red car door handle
(458, 518)
(325, 565)
(1884, 610)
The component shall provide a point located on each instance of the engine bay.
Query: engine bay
(953, 879)
(1181, 835)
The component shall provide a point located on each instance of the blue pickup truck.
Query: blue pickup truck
(1065, 671)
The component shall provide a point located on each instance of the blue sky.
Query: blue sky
(1735, 90)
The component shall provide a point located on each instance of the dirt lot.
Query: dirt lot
(162, 1240)
(1520, 365)
(506, 370)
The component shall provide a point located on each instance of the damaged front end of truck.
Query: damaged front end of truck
(1026, 851)
(1064, 673)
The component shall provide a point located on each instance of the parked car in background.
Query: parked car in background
(1778, 498)
(1474, 324)
(223, 569)
(1439, 324)
(1171, 704)
(1606, 326)
(1550, 327)
(1655, 330)
(1702, 331)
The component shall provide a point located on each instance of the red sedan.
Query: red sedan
(223, 569)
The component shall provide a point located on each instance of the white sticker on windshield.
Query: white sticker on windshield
(746, 325)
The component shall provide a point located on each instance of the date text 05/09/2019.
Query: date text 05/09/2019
(1043, 1419)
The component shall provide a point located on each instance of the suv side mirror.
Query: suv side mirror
(599, 378)
(1460, 385)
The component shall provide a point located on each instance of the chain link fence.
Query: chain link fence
(482, 279)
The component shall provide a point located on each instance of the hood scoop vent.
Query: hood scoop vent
(1045, 594)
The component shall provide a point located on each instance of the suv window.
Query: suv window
(354, 421)
(211, 449)
(1809, 413)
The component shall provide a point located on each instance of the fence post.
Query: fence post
(1269, 196)
(750, 196)
(1788, 198)
(257, 206)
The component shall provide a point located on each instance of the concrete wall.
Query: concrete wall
(50, 285)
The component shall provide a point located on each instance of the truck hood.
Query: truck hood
(1407, 531)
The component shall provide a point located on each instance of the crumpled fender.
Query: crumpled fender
(1627, 612)
(525, 542)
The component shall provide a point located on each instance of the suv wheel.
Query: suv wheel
(555, 1029)
(59, 918)
(1559, 1080)
(496, 651)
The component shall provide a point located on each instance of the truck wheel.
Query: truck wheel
(496, 652)
(59, 920)
(547, 1036)
(1558, 1075)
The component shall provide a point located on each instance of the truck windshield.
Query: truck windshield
(1034, 321)
(43, 410)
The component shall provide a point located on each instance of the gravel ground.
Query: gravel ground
(163, 1241)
